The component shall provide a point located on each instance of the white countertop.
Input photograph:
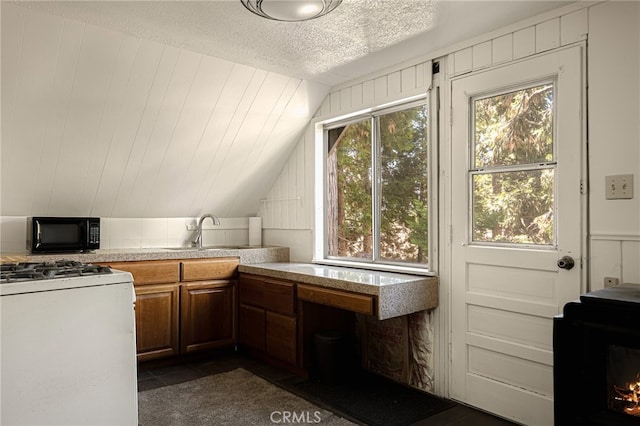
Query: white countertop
(247, 254)
(397, 294)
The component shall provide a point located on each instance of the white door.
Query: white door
(517, 150)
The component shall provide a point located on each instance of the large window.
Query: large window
(377, 188)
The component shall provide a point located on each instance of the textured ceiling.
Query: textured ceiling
(339, 47)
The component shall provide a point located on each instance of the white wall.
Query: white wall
(614, 139)
(286, 211)
(613, 31)
(96, 122)
(128, 233)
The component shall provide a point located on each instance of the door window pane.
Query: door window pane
(349, 202)
(514, 207)
(514, 128)
(513, 167)
(404, 196)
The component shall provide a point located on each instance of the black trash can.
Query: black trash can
(331, 356)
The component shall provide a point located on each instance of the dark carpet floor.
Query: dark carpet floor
(394, 404)
(371, 399)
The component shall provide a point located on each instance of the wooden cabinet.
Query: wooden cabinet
(251, 327)
(183, 306)
(279, 297)
(157, 320)
(207, 315)
(267, 318)
(207, 303)
(151, 271)
(361, 303)
(209, 269)
(157, 288)
(281, 342)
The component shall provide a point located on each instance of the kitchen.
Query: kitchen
(122, 122)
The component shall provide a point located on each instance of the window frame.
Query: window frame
(320, 243)
(473, 170)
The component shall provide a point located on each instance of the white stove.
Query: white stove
(34, 277)
(67, 341)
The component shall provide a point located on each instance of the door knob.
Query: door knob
(566, 262)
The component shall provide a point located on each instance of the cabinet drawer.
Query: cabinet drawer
(279, 297)
(360, 303)
(251, 290)
(209, 269)
(151, 271)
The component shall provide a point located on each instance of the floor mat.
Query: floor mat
(233, 398)
(373, 400)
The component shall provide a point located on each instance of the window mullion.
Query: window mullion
(375, 186)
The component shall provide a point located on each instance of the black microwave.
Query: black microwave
(63, 234)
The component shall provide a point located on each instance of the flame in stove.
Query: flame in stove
(629, 395)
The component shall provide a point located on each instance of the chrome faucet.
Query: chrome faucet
(198, 241)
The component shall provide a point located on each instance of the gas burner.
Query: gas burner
(17, 272)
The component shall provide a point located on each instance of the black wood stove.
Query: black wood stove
(596, 351)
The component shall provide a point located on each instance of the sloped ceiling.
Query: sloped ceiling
(161, 109)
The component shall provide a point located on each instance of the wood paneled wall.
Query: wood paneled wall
(289, 203)
(529, 40)
(401, 83)
(615, 254)
(97, 122)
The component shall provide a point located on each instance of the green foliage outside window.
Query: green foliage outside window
(404, 175)
(394, 191)
(513, 167)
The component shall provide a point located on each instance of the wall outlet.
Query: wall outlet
(619, 187)
(610, 282)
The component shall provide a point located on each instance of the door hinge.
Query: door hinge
(582, 186)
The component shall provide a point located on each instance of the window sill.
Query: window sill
(376, 267)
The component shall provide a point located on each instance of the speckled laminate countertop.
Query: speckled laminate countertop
(397, 294)
(247, 255)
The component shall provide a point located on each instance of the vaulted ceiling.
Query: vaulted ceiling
(174, 108)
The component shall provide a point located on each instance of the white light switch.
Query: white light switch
(619, 187)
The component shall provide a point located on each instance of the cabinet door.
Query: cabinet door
(207, 315)
(156, 321)
(251, 327)
(281, 337)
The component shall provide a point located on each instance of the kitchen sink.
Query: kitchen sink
(205, 248)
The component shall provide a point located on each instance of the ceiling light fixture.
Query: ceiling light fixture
(291, 10)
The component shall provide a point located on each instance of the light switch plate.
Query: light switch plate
(619, 187)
